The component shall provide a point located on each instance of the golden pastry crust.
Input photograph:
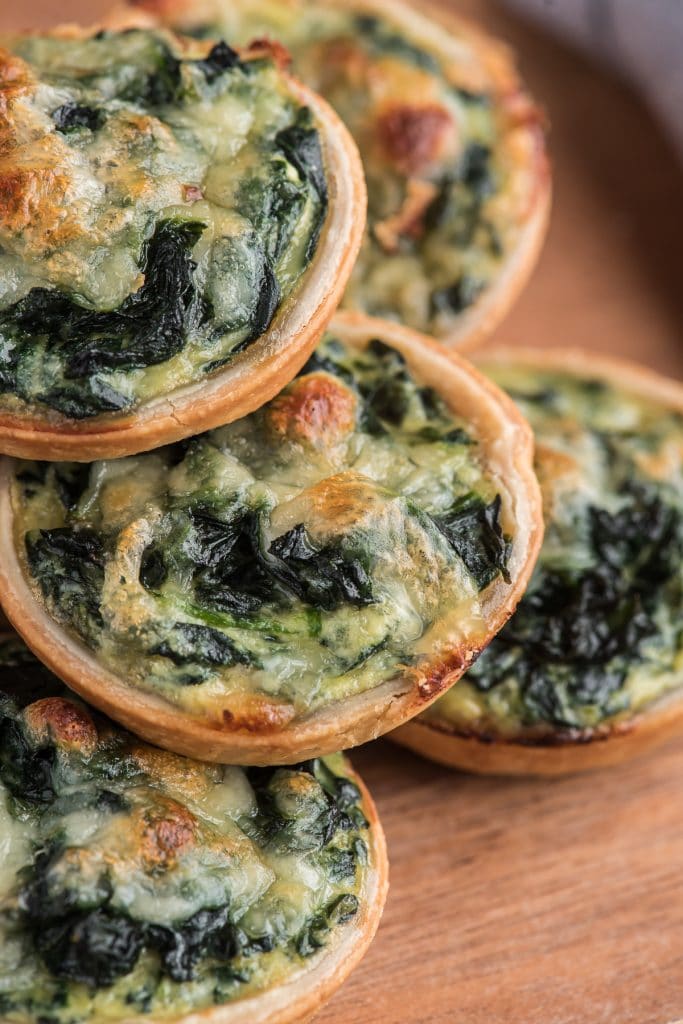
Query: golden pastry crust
(35, 189)
(575, 750)
(258, 734)
(411, 131)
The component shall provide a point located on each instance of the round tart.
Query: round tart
(178, 224)
(138, 885)
(297, 582)
(589, 670)
(453, 148)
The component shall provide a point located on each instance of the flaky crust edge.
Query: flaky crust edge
(507, 446)
(577, 751)
(255, 375)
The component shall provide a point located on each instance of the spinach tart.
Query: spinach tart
(140, 886)
(452, 146)
(589, 670)
(177, 223)
(298, 582)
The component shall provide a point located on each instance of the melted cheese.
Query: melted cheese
(164, 137)
(441, 147)
(365, 507)
(598, 449)
(172, 839)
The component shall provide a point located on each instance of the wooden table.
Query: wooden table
(525, 902)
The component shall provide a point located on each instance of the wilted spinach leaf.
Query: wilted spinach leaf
(149, 327)
(72, 116)
(324, 577)
(473, 530)
(577, 633)
(94, 948)
(221, 58)
(68, 565)
(25, 769)
(190, 643)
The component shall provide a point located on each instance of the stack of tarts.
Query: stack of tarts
(241, 531)
(238, 536)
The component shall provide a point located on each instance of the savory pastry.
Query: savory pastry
(453, 149)
(141, 886)
(297, 582)
(177, 223)
(590, 668)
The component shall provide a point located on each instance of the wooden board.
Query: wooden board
(522, 902)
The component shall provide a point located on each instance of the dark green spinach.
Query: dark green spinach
(473, 530)
(577, 633)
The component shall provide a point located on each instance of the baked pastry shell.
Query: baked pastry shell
(506, 444)
(253, 376)
(303, 994)
(523, 136)
(568, 751)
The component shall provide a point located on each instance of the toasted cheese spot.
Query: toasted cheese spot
(336, 505)
(191, 778)
(15, 81)
(408, 222)
(270, 49)
(258, 714)
(33, 193)
(67, 724)
(164, 832)
(317, 409)
(414, 137)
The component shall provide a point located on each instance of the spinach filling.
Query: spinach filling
(446, 253)
(206, 293)
(67, 910)
(150, 327)
(578, 633)
(221, 594)
(604, 604)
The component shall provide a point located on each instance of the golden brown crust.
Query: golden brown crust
(507, 447)
(253, 376)
(581, 750)
(485, 63)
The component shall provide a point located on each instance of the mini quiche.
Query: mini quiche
(590, 668)
(177, 223)
(297, 582)
(137, 885)
(452, 146)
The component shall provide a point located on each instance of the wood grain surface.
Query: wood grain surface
(522, 902)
